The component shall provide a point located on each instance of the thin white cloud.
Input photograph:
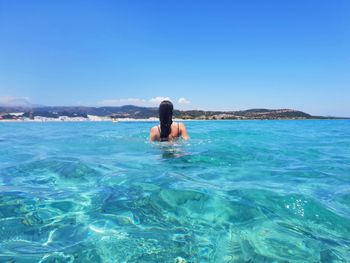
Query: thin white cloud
(183, 101)
(152, 102)
(158, 100)
(14, 101)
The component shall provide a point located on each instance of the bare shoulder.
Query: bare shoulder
(154, 128)
(153, 135)
(183, 130)
(182, 124)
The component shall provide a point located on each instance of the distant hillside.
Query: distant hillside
(130, 111)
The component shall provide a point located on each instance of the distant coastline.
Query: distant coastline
(130, 113)
(150, 120)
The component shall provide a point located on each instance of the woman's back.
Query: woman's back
(177, 130)
(167, 130)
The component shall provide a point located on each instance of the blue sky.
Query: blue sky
(222, 55)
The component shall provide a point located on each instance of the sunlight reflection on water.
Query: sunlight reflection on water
(238, 191)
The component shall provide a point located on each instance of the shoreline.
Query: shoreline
(156, 120)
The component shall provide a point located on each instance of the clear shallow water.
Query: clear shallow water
(238, 191)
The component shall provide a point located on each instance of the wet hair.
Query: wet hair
(165, 118)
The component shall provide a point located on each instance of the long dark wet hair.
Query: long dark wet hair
(165, 118)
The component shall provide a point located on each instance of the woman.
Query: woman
(167, 130)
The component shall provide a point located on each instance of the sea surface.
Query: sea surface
(237, 191)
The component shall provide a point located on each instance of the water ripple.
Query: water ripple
(238, 191)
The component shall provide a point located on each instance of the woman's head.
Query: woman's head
(165, 118)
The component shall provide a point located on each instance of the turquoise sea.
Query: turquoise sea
(238, 191)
